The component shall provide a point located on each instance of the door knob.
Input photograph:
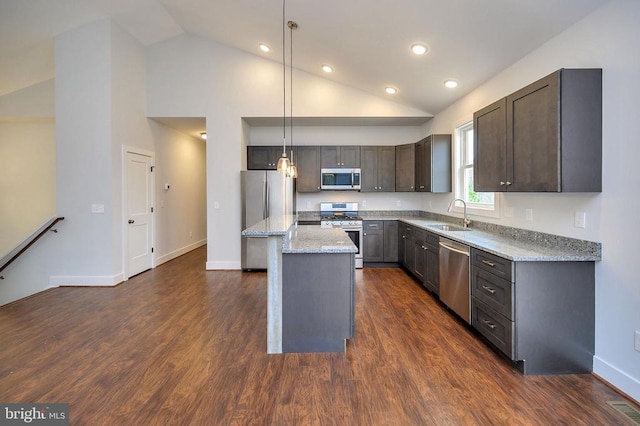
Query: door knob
(131, 221)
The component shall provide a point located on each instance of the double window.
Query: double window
(480, 203)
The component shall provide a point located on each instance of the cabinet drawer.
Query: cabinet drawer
(495, 327)
(419, 235)
(432, 239)
(492, 263)
(493, 291)
(372, 225)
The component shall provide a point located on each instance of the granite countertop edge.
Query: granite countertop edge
(314, 239)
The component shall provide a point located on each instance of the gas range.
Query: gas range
(344, 216)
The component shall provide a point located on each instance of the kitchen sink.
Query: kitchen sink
(449, 228)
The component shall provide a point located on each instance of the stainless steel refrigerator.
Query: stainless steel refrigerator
(264, 194)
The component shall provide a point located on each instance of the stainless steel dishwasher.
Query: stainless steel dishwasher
(454, 277)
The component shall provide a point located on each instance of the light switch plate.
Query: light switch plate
(580, 220)
(97, 208)
(637, 341)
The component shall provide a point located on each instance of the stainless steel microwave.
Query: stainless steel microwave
(342, 179)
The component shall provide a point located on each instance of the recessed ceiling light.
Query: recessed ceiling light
(419, 48)
(264, 47)
(327, 68)
(451, 84)
(391, 90)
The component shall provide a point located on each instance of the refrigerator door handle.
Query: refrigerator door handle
(265, 199)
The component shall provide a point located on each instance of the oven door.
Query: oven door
(355, 234)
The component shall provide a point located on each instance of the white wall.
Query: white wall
(189, 77)
(181, 211)
(601, 40)
(27, 179)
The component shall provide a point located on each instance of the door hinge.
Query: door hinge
(152, 167)
(151, 209)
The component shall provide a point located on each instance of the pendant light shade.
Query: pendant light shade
(283, 163)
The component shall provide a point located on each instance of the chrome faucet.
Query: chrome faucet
(465, 219)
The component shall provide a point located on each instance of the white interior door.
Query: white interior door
(138, 196)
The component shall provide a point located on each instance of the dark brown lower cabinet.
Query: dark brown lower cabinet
(318, 303)
(541, 315)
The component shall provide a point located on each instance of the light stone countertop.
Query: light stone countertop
(314, 239)
(551, 250)
(271, 226)
(302, 239)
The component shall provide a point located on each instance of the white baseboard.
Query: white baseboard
(618, 378)
(176, 253)
(223, 266)
(89, 281)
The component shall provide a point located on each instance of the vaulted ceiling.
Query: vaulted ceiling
(367, 42)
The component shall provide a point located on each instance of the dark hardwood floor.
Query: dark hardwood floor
(179, 345)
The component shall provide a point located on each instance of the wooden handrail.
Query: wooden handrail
(16, 252)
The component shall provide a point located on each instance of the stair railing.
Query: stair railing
(16, 252)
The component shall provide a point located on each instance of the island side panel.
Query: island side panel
(317, 302)
(274, 295)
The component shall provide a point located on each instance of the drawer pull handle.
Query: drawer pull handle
(489, 289)
(486, 262)
(373, 225)
(489, 324)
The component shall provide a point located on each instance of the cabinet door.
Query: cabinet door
(431, 276)
(420, 253)
(490, 148)
(420, 180)
(308, 162)
(263, 157)
(350, 156)
(423, 165)
(369, 166)
(405, 167)
(330, 157)
(373, 242)
(386, 168)
(390, 241)
(533, 142)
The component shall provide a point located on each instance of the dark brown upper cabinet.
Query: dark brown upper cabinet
(378, 165)
(308, 162)
(340, 156)
(405, 167)
(433, 164)
(263, 157)
(546, 137)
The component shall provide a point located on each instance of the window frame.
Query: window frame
(460, 166)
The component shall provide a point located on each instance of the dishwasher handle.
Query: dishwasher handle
(457, 250)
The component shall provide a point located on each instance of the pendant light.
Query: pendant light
(293, 169)
(283, 162)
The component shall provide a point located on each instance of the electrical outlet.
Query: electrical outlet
(580, 220)
(398, 203)
(190, 234)
(216, 205)
(637, 341)
(528, 214)
(364, 203)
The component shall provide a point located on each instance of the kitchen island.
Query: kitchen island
(310, 282)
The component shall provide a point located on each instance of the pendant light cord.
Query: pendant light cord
(284, 84)
(291, 86)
